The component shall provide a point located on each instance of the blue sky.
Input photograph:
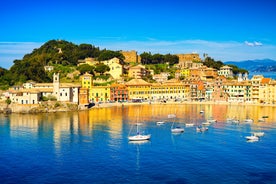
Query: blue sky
(228, 30)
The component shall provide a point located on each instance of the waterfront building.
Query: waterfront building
(256, 83)
(238, 91)
(64, 92)
(87, 83)
(172, 90)
(118, 93)
(218, 93)
(100, 93)
(84, 96)
(25, 96)
(138, 89)
(266, 91)
(196, 88)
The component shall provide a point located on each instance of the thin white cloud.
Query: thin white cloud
(258, 43)
(253, 44)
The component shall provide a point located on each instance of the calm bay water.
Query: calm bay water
(92, 146)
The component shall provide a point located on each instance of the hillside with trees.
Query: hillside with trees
(64, 56)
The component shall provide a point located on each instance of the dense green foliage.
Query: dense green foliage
(101, 68)
(86, 68)
(109, 54)
(148, 58)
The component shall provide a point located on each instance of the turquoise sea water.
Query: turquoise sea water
(92, 146)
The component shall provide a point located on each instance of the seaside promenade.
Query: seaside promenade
(38, 108)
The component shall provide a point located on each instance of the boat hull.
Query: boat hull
(252, 138)
(139, 137)
(177, 130)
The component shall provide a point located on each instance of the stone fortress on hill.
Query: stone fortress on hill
(192, 82)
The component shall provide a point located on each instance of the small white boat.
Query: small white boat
(235, 121)
(252, 138)
(139, 137)
(261, 120)
(258, 134)
(171, 115)
(201, 129)
(177, 130)
(248, 121)
(189, 124)
(201, 112)
(160, 122)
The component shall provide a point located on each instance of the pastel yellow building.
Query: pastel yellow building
(238, 91)
(267, 91)
(100, 93)
(172, 90)
(138, 89)
(185, 72)
(87, 83)
(256, 83)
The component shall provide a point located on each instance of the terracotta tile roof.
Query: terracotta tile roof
(265, 80)
(135, 82)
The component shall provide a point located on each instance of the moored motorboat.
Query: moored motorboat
(160, 122)
(201, 129)
(177, 130)
(189, 124)
(248, 120)
(171, 115)
(252, 138)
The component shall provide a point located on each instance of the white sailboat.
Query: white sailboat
(139, 136)
(176, 129)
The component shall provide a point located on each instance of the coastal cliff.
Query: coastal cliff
(43, 107)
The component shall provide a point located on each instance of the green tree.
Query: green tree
(8, 101)
(86, 68)
(171, 59)
(101, 68)
(109, 54)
